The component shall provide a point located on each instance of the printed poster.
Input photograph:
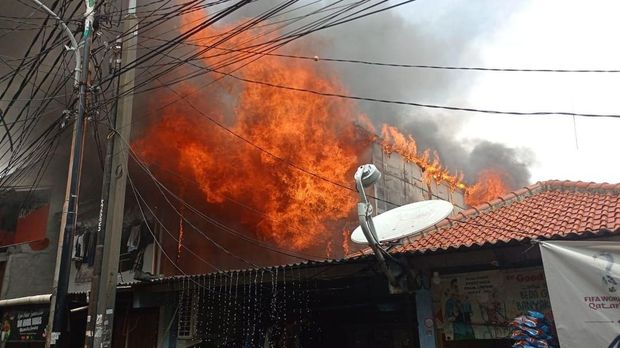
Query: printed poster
(480, 305)
(584, 287)
(24, 325)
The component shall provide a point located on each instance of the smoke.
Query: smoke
(472, 156)
(515, 162)
(436, 33)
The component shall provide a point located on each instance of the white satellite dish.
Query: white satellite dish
(408, 220)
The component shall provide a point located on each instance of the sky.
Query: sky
(554, 34)
(544, 34)
(535, 34)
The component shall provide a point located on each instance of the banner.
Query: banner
(479, 305)
(584, 288)
(24, 325)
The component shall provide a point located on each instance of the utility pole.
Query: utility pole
(94, 295)
(56, 334)
(103, 286)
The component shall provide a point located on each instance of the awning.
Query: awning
(28, 300)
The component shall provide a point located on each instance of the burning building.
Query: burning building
(405, 182)
(271, 200)
(255, 172)
(256, 154)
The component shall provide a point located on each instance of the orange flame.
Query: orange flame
(181, 236)
(329, 250)
(490, 185)
(406, 146)
(346, 244)
(287, 127)
(287, 130)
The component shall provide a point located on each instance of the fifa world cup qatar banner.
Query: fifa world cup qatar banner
(583, 279)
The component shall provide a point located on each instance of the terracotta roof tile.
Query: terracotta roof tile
(548, 209)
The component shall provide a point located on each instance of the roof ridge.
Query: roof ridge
(581, 186)
(493, 204)
(531, 190)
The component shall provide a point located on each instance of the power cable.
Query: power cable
(402, 65)
(423, 105)
(276, 41)
(163, 226)
(162, 250)
(212, 220)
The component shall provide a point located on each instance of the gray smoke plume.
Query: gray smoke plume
(465, 157)
(434, 33)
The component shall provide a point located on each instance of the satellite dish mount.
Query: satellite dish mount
(393, 225)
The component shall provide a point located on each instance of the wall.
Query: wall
(30, 272)
(401, 183)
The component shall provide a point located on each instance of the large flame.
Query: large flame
(295, 140)
(491, 184)
(281, 146)
(394, 141)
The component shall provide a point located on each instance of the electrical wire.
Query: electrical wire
(423, 105)
(163, 251)
(294, 34)
(163, 226)
(165, 191)
(402, 65)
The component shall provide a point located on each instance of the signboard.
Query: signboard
(479, 305)
(584, 286)
(26, 325)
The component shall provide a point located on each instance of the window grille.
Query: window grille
(186, 325)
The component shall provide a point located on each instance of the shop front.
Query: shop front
(474, 309)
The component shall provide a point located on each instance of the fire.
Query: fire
(346, 245)
(491, 184)
(405, 145)
(181, 236)
(283, 144)
(329, 250)
(287, 131)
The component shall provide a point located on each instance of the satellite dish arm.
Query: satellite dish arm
(366, 224)
(363, 211)
(366, 175)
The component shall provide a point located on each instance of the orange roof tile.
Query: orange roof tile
(549, 209)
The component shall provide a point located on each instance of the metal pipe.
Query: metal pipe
(78, 309)
(28, 300)
(74, 44)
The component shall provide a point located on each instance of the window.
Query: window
(188, 310)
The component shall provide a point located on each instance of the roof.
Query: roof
(545, 210)
(198, 277)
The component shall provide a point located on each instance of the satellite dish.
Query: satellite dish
(368, 174)
(408, 220)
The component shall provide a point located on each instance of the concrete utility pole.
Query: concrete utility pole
(95, 282)
(103, 286)
(56, 333)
